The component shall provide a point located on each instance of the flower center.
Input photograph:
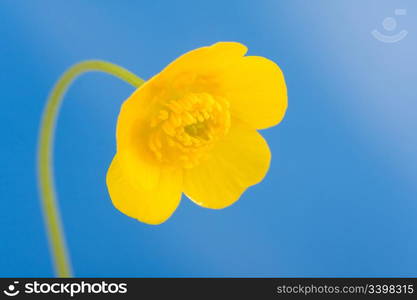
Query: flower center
(184, 129)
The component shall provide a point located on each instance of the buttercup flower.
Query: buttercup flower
(192, 129)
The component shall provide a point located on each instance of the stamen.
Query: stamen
(184, 129)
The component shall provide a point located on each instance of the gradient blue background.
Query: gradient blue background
(340, 198)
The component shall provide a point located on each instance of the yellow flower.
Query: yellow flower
(192, 129)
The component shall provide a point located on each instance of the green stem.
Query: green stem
(45, 158)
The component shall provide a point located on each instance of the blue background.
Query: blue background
(340, 198)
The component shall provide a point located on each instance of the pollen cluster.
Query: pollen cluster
(184, 129)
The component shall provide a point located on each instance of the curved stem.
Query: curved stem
(45, 158)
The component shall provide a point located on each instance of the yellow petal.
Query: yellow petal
(238, 161)
(132, 134)
(256, 89)
(205, 60)
(254, 85)
(153, 206)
